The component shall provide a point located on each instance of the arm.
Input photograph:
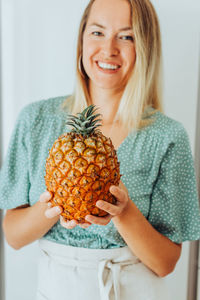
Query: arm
(25, 224)
(155, 250)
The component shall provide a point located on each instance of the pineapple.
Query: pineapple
(81, 167)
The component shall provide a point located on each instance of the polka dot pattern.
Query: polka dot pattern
(156, 166)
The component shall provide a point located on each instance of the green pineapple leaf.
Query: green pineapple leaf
(86, 122)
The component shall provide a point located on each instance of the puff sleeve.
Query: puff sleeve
(14, 174)
(174, 206)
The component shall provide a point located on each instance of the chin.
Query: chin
(107, 85)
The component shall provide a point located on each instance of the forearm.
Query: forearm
(23, 226)
(155, 250)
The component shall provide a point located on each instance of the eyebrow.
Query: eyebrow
(103, 27)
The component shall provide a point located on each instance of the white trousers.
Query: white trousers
(74, 273)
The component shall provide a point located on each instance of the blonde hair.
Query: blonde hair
(144, 87)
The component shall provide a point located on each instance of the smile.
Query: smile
(106, 66)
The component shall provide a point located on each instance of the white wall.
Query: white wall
(39, 39)
(180, 27)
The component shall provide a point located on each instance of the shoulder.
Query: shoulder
(41, 111)
(43, 107)
(40, 115)
(166, 129)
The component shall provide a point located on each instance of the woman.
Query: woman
(125, 254)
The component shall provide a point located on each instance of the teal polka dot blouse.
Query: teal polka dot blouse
(156, 164)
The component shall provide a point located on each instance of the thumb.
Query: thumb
(45, 197)
(118, 193)
(53, 212)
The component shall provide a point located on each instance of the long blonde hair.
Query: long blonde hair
(144, 87)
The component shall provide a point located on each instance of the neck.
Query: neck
(107, 101)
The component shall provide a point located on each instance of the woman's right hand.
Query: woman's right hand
(54, 211)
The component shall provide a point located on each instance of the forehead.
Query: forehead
(110, 12)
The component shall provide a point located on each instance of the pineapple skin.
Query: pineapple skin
(79, 172)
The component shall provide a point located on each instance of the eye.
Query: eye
(127, 38)
(97, 33)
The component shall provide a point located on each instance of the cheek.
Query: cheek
(89, 50)
(130, 58)
(85, 59)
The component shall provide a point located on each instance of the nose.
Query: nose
(109, 47)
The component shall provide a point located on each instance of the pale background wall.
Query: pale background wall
(39, 39)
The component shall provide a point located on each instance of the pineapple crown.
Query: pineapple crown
(86, 122)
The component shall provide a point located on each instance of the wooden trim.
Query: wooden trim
(2, 266)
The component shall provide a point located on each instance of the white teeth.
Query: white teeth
(107, 66)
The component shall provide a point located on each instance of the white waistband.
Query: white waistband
(84, 254)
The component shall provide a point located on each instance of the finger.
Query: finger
(98, 220)
(53, 212)
(68, 224)
(84, 225)
(119, 193)
(111, 209)
(122, 186)
(45, 197)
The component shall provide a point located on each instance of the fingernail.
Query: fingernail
(57, 209)
(73, 222)
(112, 188)
(48, 214)
(99, 203)
(87, 218)
(47, 194)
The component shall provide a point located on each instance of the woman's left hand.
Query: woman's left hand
(121, 194)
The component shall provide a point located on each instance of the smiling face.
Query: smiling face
(108, 45)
